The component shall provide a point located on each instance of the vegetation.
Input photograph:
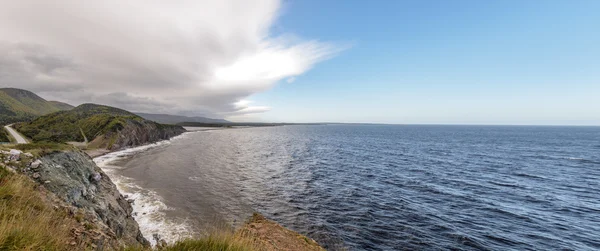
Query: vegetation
(27, 222)
(41, 148)
(18, 105)
(4, 135)
(222, 241)
(74, 125)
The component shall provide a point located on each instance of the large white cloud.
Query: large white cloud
(186, 57)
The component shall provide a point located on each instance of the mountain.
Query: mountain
(175, 119)
(62, 106)
(104, 126)
(21, 105)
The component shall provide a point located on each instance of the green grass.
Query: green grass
(41, 148)
(18, 105)
(216, 242)
(26, 220)
(4, 135)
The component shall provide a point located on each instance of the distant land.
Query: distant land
(175, 119)
(17, 105)
(234, 124)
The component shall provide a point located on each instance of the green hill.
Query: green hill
(105, 127)
(62, 106)
(18, 105)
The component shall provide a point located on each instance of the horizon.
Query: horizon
(507, 63)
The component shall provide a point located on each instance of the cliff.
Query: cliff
(135, 133)
(84, 191)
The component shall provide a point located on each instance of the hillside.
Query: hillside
(18, 105)
(62, 106)
(104, 126)
(175, 119)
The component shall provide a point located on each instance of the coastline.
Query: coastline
(149, 208)
(99, 152)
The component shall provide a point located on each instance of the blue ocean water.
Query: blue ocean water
(384, 187)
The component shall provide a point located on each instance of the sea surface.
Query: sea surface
(375, 187)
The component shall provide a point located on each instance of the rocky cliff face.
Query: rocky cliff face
(139, 133)
(136, 133)
(74, 178)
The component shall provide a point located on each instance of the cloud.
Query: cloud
(185, 57)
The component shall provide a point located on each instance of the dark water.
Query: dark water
(389, 187)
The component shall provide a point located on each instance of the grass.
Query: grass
(4, 135)
(26, 220)
(41, 148)
(217, 241)
(221, 240)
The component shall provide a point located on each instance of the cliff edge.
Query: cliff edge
(75, 184)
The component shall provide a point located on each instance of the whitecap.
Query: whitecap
(149, 209)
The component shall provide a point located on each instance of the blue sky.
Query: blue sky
(444, 62)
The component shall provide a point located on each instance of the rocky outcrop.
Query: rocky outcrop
(270, 236)
(136, 133)
(74, 178)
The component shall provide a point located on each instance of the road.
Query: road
(16, 135)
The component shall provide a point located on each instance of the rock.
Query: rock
(130, 201)
(95, 177)
(78, 181)
(36, 175)
(29, 155)
(35, 164)
(15, 154)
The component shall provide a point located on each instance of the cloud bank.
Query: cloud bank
(181, 57)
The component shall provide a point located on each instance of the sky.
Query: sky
(400, 62)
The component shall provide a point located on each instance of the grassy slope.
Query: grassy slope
(4, 135)
(90, 120)
(62, 106)
(63, 126)
(20, 105)
(27, 222)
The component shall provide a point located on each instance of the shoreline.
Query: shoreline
(99, 152)
(149, 208)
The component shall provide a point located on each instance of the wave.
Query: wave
(505, 184)
(149, 209)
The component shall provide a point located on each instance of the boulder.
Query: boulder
(35, 164)
(15, 154)
(95, 177)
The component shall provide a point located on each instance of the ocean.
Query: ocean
(375, 187)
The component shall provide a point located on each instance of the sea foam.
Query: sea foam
(149, 209)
